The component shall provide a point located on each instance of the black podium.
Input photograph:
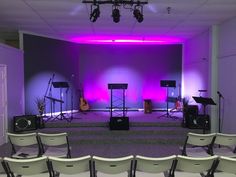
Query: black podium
(117, 106)
(60, 85)
(204, 101)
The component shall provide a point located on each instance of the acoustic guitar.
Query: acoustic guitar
(83, 104)
(178, 103)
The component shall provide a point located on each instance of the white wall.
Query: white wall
(195, 66)
(227, 74)
(13, 58)
(196, 71)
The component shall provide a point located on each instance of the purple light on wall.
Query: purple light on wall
(125, 40)
(192, 83)
(98, 91)
(39, 85)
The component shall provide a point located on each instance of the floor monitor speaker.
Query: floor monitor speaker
(25, 123)
(119, 123)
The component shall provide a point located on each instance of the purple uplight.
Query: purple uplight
(125, 40)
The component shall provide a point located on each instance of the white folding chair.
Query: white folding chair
(154, 167)
(104, 167)
(194, 166)
(54, 144)
(3, 170)
(198, 145)
(36, 167)
(70, 167)
(225, 145)
(226, 167)
(24, 145)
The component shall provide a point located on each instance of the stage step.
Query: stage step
(136, 135)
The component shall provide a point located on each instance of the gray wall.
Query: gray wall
(227, 71)
(13, 59)
(197, 60)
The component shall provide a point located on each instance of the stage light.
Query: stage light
(135, 6)
(138, 13)
(116, 14)
(95, 13)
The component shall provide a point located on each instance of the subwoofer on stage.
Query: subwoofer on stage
(119, 123)
(25, 123)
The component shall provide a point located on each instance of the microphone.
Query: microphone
(220, 95)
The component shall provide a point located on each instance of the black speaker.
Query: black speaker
(195, 121)
(190, 114)
(25, 123)
(119, 123)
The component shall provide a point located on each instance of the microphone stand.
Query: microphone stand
(220, 96)
(72, 97)
(50, 95)
(44, 98)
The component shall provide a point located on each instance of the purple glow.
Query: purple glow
(35, 90)
(97, 91)
(192, 83)
(125, 40)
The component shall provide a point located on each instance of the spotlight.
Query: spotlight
(138, 14)
(95, 13)
(116, 15)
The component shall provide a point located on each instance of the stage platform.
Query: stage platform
(101, 119)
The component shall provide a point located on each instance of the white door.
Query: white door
(3, 103)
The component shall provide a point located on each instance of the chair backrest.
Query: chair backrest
(27, 166)
(200, 139)
(53, 139)
(71, 166)
(227, 165)
(153, 165)
(225, 139)
(23, 139)
(113, 165)
(195, 164)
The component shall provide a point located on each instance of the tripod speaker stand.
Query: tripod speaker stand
(167, 84)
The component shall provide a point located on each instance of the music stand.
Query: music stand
(60, 85)
(204, 101)
(167, 84)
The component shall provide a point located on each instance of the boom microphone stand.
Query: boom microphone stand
(72, 98)
(220, 96)
(44, 98)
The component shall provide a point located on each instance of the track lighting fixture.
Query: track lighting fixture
(138, 13)
(95, 13)
(136, 6)
(115, 14)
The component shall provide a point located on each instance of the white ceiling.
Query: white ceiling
(66, 19)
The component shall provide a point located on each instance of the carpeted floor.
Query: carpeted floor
(149, 134)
